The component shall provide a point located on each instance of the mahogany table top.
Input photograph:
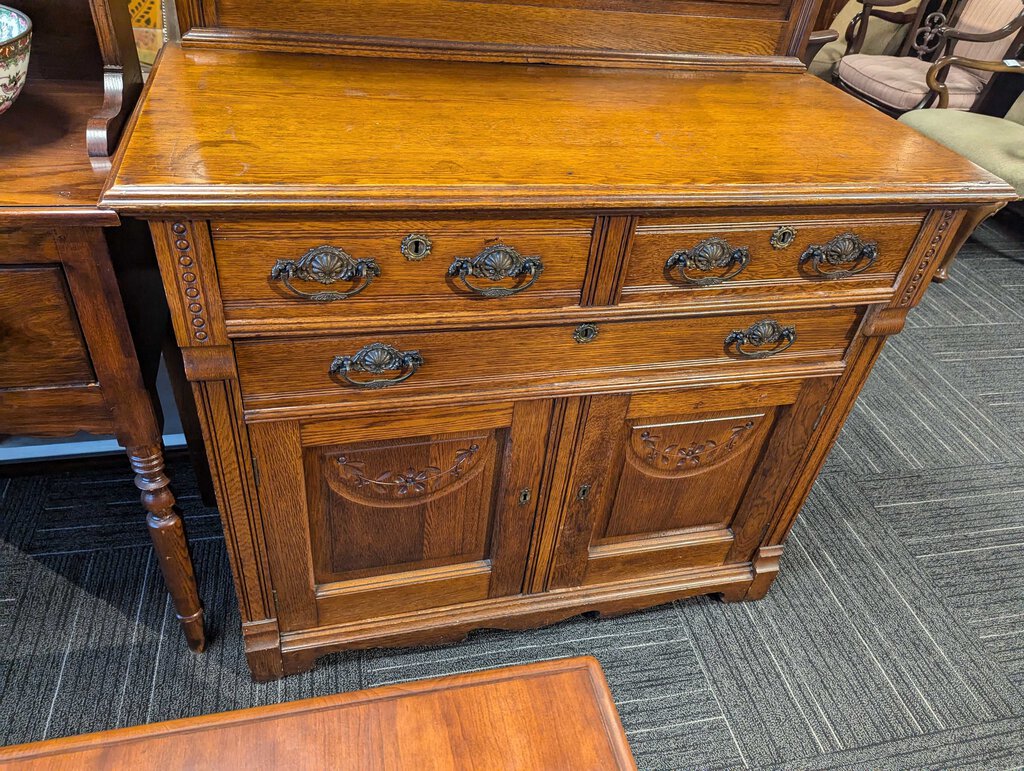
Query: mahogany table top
(549, 715)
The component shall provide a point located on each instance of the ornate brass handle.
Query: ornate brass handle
(761, 334)
(846, 249)
(326, 264)
(375, 359)
(495, 263)
(710, 254)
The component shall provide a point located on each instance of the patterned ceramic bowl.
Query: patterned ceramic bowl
(15, 41)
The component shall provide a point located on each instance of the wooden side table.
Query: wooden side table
(76, 355)
(549, 715)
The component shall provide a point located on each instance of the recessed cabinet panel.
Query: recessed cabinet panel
(391, 506)
(41, 343)
(684, 472)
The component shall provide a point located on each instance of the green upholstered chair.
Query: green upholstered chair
(995, 144)
(881, 31)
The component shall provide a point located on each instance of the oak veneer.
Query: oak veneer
(636, 422)
(548, 715)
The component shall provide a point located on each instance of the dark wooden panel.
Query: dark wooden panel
(64, 44)
(40, 339)
(638, 27)
(683, 471)
(247, 252)
(293, 371)
(394, 506)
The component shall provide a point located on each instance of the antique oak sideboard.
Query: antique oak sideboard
(482, 342)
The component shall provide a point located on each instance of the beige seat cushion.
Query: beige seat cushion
(899, 81)
(995, 144)
(882, 37)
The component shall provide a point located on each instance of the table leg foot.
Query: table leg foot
(167, 532)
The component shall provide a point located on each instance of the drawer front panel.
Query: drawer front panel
(396, 267)
(677, 259)
(41, 343)
(297, 371)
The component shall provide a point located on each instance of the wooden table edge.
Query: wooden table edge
(118, 736)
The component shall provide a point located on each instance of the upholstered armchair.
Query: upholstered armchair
(860, 27)
(995, 144)
(980, 31)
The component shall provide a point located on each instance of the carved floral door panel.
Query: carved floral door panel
(666, 480)
(403, 512)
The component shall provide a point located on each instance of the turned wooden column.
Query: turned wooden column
(167, 530)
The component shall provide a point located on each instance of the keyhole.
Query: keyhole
(415, 246)
(584, 492)
(585, 333)
(524, 497)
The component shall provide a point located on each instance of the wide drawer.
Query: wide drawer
(680, 259)
(328, 269)
(369, 368)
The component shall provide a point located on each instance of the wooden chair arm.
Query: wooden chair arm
(895, 17)
(857, 31)
(952, 33)
(936, 77)
(816, 41)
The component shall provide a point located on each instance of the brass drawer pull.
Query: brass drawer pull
(763, 333)
(496, 263)
(326, 264)
(709, 254)
(846, 249)
(375, 359)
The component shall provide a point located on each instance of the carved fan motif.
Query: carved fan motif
(691, 447)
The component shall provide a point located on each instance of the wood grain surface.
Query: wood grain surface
(46, 169)
(223, 130)
(549, 715)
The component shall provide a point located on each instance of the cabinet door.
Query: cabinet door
(683, 479)
(380, 515)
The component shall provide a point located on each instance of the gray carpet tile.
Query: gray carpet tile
(984, 746)
(894, 637)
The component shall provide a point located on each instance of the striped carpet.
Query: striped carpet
(894, 637)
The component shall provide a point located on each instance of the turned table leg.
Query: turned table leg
(168, 533)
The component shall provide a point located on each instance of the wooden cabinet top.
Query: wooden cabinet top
(226, 129)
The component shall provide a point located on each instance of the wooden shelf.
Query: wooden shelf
(47, 172)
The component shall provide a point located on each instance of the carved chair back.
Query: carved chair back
(940, 25)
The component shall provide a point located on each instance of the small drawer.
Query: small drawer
(679, 259)
(370, 368)
(329, 269)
